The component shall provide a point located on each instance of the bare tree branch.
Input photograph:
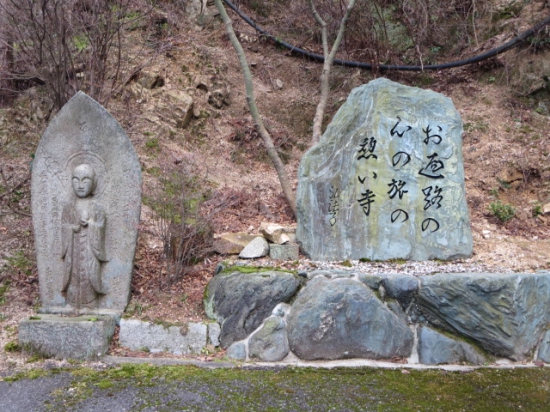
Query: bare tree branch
(327, 65)
(264, 134)
(66, 45)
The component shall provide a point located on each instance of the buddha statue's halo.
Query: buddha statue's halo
(97, 163)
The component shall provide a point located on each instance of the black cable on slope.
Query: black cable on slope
(484, 56)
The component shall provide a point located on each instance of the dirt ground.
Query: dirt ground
(506, 151)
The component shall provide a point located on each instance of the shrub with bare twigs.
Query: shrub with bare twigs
(66, 45)
(186, 233)
(380, 31)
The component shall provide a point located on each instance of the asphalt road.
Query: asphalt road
(220, 387)
(57, 393)
(61, 392)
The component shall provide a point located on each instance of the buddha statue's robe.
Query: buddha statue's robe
(83, 251)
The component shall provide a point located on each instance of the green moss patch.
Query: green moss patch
(12, 346)
(254, 269)
(31, 374)
(312, 389)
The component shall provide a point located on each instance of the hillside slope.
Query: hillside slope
(504, 104)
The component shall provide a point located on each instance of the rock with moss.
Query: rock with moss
(342, 318)
(270, 343)
(505, 313)
(386, 180)
(435, 348)
(373, 281)
(240, 302)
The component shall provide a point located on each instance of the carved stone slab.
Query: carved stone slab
(86, 200)
(386, 180)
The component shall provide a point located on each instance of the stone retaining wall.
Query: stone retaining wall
(432, 319)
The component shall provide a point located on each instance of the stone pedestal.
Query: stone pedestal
(82, 337)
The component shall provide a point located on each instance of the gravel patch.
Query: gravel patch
(415, 268)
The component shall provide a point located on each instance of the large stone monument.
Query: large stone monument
(386, 180)
(86, 200)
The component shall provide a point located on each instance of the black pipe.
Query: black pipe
(484, 56)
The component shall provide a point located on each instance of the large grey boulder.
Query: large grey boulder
(505, 313)
(386, 180)
(434, 348)
(270, 343)
(237, 351)
(241, 301)
(342, 318)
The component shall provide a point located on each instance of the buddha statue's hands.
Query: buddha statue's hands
(84, 219)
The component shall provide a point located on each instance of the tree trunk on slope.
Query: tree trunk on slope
(266, 137)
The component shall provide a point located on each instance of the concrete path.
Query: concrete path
(295, 362)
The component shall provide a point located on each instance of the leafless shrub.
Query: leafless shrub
(66, 45)
(12, 192)
(382, 31)
(19, 279)
(185, 231)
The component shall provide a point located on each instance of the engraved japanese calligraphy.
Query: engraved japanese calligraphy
(394, 153)
(333, 207)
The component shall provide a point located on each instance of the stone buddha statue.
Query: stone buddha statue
(83, 242)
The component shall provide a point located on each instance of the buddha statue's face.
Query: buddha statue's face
(83, 180)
